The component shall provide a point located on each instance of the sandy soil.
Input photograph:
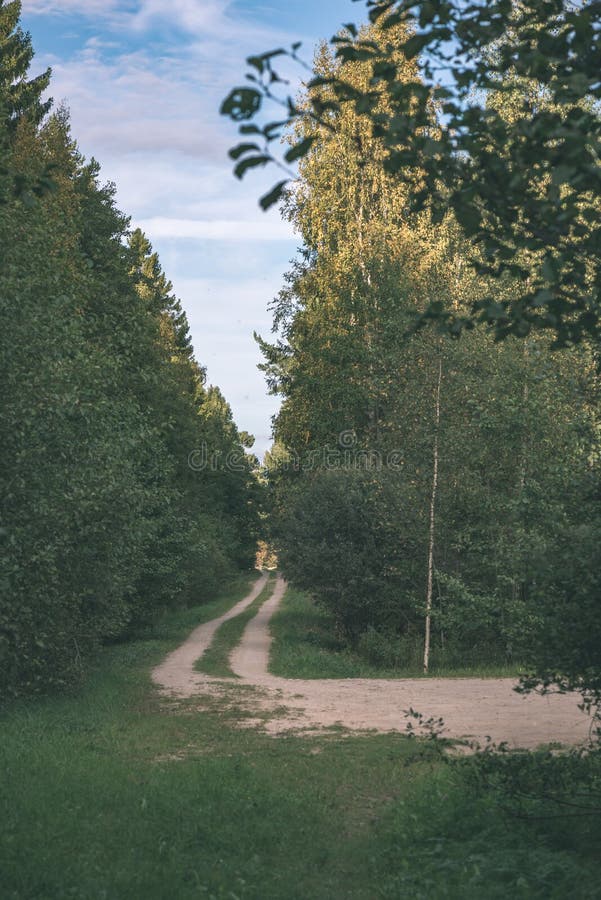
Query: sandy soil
(473, 708)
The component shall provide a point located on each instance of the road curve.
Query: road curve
(176, 674)
(473, 708)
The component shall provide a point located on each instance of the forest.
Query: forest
(435, 473)
(104, 522)
(423, 480)
(221, 676)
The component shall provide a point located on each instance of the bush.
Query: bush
(350, 538)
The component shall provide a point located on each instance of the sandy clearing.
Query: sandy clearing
(471, 707)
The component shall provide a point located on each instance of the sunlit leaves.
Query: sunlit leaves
(526, 179)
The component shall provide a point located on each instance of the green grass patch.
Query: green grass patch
(215, 661)
(113, 792)
(176, 624)
(306, 646)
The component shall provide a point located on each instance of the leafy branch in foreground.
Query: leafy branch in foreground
(526, 190)
(242, 103)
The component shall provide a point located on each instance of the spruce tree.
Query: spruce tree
(20, 96)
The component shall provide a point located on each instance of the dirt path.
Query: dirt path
(176, 674)
(471, 707)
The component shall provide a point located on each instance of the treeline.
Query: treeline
(104, 522)
(423, 484)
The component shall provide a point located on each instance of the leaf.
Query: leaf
(271, 53)
(549, 269)
(415, 45)
(468, 217)
(272, 129)
(272, 197)
(378, 11)
(384, 69)
(300, 149)
(236, 152)
(320, 81)
(541, 298)
(427, 13)
(257, 62)
(241, 103)
(251, 163)
(354, 54)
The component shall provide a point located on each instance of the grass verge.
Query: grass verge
(215, 661)
(305, 646)
(111, 793)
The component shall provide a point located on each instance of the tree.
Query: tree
(530, 184)
(488, 440)
(21, 96)
(104, 523)
(20, 101)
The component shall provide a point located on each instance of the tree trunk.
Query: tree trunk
(431, 537)
(516, 586)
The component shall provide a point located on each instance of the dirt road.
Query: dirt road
(471, 707)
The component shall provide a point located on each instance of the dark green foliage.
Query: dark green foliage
(351, 538)
(103, 521)
(542, 783)
(20, 95)
(307, 644)
(566, 599)
(516, 445)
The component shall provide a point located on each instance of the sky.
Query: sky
(143, 80)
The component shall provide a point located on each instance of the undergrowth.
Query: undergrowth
(306, 646)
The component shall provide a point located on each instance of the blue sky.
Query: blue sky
(143, 80)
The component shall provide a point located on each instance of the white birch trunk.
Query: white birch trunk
(432, 531)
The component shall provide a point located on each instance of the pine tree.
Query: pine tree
(20, 96)
(157, 292)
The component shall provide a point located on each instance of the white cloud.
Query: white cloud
(133, 102)
(265, 229)
(146, 104)
(88, 8)
(200, 18)
(223, 316)
(143, 100)
(209, 16)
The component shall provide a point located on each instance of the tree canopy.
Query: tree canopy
(422, 484)
(524, 189)
(104, 523)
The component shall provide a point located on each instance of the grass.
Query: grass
(172, 624)
(305, 646)
(215, 661)
(111, 793)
